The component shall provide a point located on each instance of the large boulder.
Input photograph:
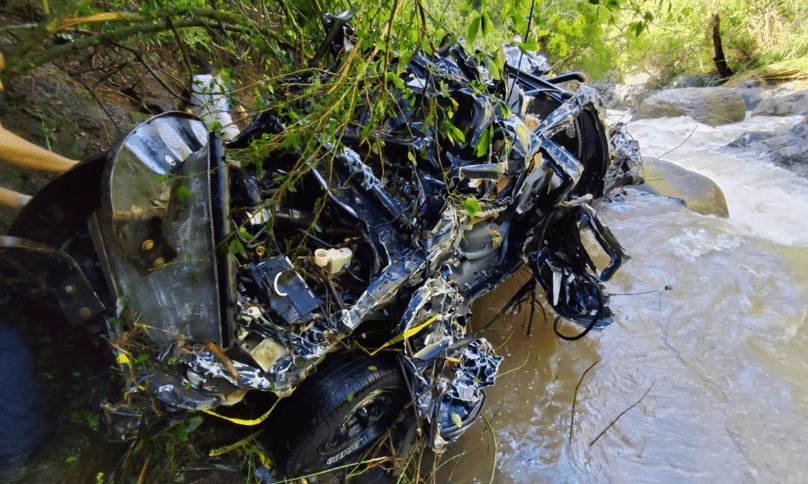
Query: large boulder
(795, 104)
(712, 106)
(787, 148)
(698, 192)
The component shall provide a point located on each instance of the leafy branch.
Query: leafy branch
(19, 59)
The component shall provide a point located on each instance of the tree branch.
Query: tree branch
(621, 414)
(19, 59)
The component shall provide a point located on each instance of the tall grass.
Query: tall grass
(754, 33)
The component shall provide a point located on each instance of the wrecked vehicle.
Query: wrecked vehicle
(347, 296)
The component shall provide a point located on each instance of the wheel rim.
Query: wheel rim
(364, 423)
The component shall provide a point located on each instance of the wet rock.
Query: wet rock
(627, 93)
(751, 96)
(795, 104)
(699, 193)
(787, 148)
(695, 80)
(712, 106)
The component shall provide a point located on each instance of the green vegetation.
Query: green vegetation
(255, 41)
(754, 33)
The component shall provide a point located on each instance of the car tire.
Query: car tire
(336, 413)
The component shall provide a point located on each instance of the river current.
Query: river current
(703, 376)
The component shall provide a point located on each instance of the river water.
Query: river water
(703, 376)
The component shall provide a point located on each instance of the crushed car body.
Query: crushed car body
(245, 285)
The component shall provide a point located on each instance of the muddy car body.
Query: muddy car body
(348, 296)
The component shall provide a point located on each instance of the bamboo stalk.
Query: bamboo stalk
(12, 199)
(20, 154)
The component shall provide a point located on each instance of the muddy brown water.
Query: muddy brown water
(703, 376)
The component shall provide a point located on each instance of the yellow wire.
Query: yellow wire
(247, 423)
(401, 337)
(406, 334)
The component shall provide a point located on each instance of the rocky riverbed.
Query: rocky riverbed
(718, 105)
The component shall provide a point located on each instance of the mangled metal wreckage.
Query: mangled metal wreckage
(407, 239)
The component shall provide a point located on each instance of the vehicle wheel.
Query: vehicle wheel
(341, 409)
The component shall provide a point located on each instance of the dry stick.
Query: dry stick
(181, 45)
(139, 56)
(683, 141)
(499, 375)
(622, 413)
(41, 31)
(103, 107)
(142, 476)
(575, 395)
(204, 18)
(493, 439)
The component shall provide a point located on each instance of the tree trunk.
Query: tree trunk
(720, 62)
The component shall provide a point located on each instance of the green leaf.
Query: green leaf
(292, 139)
(391, 77)
(237, 248)
(529, 46)
(183, 193)
(452, 132)
(350, 397)
(472, 206)
(456, 420)
(372, 368)
(194, 423)
(411, 157)
(636, 28)
(366, 131)
(499, 57)
(484, 143)
(474, 28)
(493, 68)
(485, 24)
(259, 168)
(613, 4)
(519, 22)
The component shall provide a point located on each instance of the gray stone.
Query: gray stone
(712, 106)
(790, 105)
(787, 148)
(751, 96)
